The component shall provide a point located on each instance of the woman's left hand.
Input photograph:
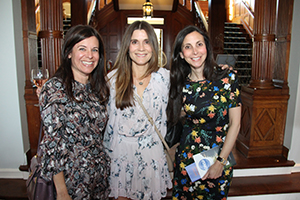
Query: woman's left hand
(214, 172)
(225, 66)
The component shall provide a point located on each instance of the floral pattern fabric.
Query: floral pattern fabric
(207, 104)
(138, 164)
(72, 142)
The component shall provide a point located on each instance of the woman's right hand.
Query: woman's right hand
(38, 91)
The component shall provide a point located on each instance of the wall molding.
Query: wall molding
(13, 173)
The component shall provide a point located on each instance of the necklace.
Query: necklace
(141, 83)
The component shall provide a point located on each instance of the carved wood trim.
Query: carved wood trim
(263, 122)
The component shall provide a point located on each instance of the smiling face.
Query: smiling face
(84, 57)
(194, 50)
(140, 50)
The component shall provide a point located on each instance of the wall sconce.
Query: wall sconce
(147, 9)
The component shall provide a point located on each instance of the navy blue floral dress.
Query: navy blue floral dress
(72, 142)
(207, 104)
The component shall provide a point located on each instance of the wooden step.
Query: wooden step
(241, 186)
(259, 185)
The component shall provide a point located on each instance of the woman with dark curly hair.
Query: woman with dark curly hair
(209, 99)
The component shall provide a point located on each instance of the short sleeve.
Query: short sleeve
(235, 94)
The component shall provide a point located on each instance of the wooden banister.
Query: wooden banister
(201, 15)
(247, 18)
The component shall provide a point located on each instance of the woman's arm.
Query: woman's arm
(60, 186)
(215, 171)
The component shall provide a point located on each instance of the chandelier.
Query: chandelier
(147, 9)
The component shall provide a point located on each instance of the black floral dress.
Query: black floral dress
(206, 104)
(72, 142)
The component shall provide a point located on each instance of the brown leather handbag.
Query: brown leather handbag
(37, 187)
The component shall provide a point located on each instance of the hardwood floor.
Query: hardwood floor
(13, 189)
(241, 186)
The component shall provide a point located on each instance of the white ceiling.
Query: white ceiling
(138, 4)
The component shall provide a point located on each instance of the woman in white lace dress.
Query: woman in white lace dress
(139, 168)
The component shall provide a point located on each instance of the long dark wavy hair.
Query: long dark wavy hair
(98, 76)
(123, 65)
(180, 69)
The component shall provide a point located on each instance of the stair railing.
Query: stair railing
(247, 18)
(37, 17)
(91, 10)
(201, 15)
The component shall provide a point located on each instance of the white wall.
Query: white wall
(12, 80)
(292, 133)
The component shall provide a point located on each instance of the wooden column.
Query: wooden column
(265, 105)
(283, 42)
(30, 62)
(51, 40)
(51, 34)
(264, 44)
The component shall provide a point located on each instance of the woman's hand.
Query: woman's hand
(225, 66)
(38, 91)
(214, 172)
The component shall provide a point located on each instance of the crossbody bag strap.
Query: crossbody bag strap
(151, 121)
(40, 135)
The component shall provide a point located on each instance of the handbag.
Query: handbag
(37, 187)
(170, 152)
(173, 133)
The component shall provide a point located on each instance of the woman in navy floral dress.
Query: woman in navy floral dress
(73, 110)
(210, 101)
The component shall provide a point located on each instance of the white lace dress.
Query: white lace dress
(139, 168)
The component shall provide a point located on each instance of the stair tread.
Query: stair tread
(241, 186)
(258, 185)
(233, 37)
(236, 43)
(237, 48)
(236, 32)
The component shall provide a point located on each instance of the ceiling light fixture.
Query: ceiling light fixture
(147, 9)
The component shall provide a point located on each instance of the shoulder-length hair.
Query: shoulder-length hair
(123, 64)
(97, 77)
(180, 69)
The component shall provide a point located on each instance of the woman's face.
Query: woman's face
(84, 57)
(193, 49)
(140, 50)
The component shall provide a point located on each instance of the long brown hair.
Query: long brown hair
(123, 65)
(98, 75)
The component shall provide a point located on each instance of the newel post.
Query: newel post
(265, 99)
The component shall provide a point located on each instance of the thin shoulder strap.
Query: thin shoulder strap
(38, 151)
(151, 121)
